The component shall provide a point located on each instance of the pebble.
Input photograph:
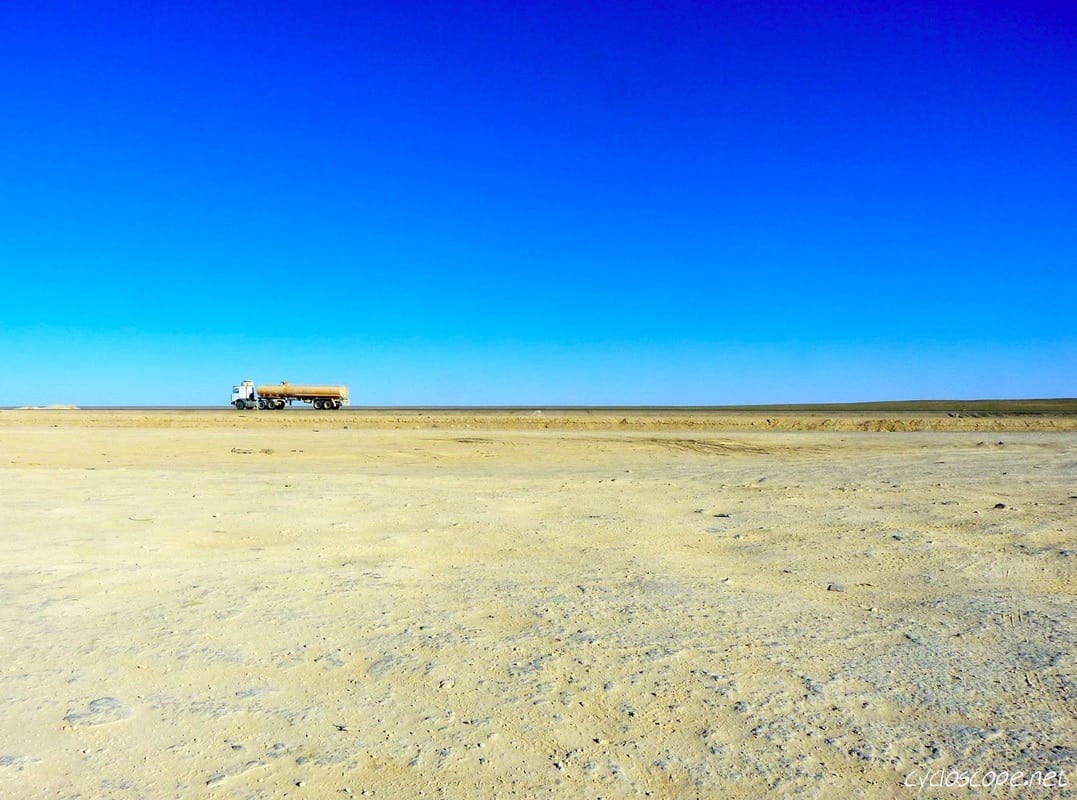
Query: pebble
(835, 587)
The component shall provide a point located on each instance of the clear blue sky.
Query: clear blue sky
(538, 203)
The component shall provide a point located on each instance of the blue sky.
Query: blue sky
(538, 203)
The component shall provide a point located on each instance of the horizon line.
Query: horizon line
(1024, 405)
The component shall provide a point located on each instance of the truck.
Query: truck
(276, 396)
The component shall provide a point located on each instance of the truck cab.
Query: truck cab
(243, 395)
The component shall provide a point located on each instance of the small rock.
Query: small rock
(1000, 505)
(835, 587)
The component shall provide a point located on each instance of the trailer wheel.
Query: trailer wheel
(239, 404)
(279, 405)
(261, 403)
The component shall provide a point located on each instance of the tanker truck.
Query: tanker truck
(246, 396)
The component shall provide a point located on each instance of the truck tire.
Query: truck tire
(261, 403)
(240, 405)
(279, 405)
(318, 404)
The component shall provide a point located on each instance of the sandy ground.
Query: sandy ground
(295, 605)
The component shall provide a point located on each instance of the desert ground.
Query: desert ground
(535, 604)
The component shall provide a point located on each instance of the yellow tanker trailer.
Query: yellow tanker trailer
(246, 396)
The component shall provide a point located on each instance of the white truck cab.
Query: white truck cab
(243, 395)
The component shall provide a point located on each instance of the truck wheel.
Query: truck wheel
(318, 404)
(239, 404)
(279, 405)
(261, 403)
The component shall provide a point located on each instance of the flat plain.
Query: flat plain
(536, 603)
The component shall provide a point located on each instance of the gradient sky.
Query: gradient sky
(538, 203)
